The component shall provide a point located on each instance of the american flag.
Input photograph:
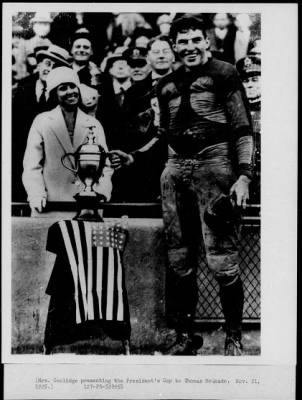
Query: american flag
(94, 251)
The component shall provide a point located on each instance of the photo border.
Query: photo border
(278, 237)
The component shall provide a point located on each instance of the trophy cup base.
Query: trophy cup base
(88, 206)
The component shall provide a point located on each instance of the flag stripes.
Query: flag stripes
(98, 254)
(98, 275)
(73, 265)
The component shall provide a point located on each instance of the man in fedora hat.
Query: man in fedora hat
(29, 100)
(115, 83)
(117, 67)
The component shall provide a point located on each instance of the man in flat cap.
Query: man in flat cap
(30, 99)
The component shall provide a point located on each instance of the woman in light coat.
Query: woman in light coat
(53, 134)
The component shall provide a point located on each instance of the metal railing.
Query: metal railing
(111, 210)
(208, 307)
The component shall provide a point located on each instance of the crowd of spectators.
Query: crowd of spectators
(119, 59)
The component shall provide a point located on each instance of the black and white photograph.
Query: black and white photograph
(149, 221)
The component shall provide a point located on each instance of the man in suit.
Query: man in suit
(82, 52)
(53, 134)
(115, 83)
(30, 99)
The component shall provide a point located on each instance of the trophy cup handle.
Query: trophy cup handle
(66, 166)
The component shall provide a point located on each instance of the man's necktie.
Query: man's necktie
(120, 97)
(42, 99)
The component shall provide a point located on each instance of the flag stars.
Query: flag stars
(108, 234)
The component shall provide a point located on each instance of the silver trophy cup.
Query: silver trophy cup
(89, 161)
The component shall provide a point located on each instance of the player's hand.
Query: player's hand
(119, 158)
(240, 191)
(37, 204)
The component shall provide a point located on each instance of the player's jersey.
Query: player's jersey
(203, 107)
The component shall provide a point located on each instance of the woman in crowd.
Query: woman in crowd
(53, 134)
